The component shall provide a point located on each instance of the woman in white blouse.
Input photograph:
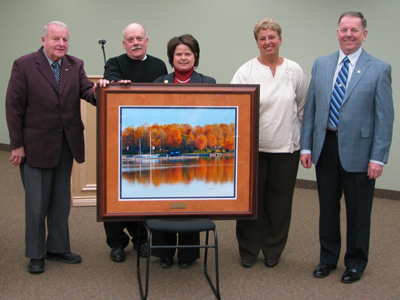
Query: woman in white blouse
(283, 91)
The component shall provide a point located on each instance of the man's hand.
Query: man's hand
(105, 82)
(306, 160)
(374, 170)
(101, 83)
(124, 81)
(17, 156)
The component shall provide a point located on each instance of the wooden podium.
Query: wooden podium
(83, 179)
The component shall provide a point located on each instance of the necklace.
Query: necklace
(183, 81)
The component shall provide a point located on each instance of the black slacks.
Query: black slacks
(184, 254)
(332, 181)
(117, 236)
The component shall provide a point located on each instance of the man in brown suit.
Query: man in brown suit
(46, 134)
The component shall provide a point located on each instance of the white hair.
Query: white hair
(57, 23)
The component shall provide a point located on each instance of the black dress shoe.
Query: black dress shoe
(166, 263)
(142, 249)
(185, 264)
(270, 263)
(117, 253)
(323, 270)
(351, 275)
(36, 266)
(68, 258)
(247, 263)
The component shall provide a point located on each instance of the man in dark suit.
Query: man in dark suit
(133, 66)
(46, 134)
(348, 138)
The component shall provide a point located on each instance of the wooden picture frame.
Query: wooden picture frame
(177, 151)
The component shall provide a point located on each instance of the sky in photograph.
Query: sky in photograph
(194, 116)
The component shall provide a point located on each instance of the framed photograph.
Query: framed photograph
(177, 151)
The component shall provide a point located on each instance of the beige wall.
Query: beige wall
(223, 28)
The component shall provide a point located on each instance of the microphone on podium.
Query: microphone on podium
(102, 42)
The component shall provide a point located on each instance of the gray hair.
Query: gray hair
(57, 23)
(123, 31)
(355, 14)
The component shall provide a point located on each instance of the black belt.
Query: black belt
(332, 132)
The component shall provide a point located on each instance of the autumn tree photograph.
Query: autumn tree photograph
(183, 130)
(183, 137)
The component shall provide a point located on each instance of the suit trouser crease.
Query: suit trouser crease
(47, 195)
(277, 174)
(333, 181)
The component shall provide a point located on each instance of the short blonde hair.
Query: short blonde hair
(267, 23)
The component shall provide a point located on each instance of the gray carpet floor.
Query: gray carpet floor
(97, 277)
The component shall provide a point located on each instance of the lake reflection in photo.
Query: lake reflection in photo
(178, 178)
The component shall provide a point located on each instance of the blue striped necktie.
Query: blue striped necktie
(56, 71)
(338, 93)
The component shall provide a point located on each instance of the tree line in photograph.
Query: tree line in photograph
(182, 137)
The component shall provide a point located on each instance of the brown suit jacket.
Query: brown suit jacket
(39, 111)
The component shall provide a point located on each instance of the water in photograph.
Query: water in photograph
(180, 177)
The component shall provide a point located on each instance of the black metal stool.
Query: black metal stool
(180, 226)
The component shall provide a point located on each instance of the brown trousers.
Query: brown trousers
(277, 174)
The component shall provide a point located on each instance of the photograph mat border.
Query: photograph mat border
(234, 197)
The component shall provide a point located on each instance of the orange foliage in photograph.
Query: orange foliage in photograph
(182, 137)
(201, 142)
